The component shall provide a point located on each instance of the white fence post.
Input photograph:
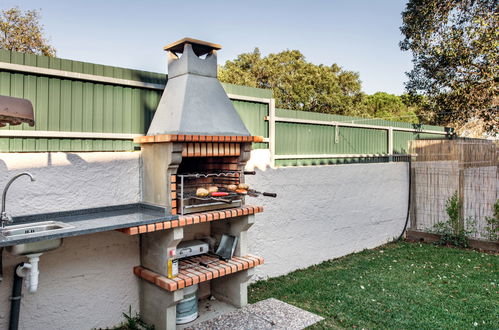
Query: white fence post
(390, 144)
(272, 131)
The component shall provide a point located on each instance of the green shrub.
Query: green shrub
(455, 231)
(492, 228)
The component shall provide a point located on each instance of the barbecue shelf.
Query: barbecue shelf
(194, 273)
(192, 219)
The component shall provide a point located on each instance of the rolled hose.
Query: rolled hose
(409, 165)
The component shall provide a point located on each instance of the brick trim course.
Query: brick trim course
(195, 138)
(194, 273)
(192, 219)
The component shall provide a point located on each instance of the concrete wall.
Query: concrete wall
(325, 212)
(68, 181)
(321, 212)
(88, 282)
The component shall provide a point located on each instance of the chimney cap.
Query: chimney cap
(199, 47)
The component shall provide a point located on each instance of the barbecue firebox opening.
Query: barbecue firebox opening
(207, 164)
(208, 183)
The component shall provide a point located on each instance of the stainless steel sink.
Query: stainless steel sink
(34, 247)
(32, 230)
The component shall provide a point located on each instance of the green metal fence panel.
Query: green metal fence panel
(401, 140)
(329, 161)
(251, 112)
(247, 91)
(304, 139)
(73, 105)
(353, 120)
(308, 139)
(253, 115)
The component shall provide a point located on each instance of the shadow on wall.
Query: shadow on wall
(74, 159)
(67, 181)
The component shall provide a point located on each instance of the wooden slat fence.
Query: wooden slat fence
(444, 167)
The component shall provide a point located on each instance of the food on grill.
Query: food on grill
(232, 187)
(242, 191)
(213, 189)
(243, 186)
(219, 194)
(201, 192)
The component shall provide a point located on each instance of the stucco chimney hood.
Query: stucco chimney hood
(194, 102)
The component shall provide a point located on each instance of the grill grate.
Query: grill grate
(188, 183)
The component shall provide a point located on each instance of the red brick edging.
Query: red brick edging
(196, 138)
(194, 273)
(191, 219)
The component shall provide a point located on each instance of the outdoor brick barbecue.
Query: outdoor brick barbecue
(196, 139)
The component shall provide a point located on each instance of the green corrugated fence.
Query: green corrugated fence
(73, 105)
(316, 138)
(89, 107)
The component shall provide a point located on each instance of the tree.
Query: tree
(300, 85)
(389, 107)
(455, 55)
(296, 83)
(21, 31)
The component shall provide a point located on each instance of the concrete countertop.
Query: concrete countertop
(88, 221)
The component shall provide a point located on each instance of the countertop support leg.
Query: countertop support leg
(159, 307)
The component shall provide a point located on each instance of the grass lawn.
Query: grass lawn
(399, 285)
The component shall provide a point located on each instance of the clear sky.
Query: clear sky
(359, 35)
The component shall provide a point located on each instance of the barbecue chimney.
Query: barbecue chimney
(194, 102)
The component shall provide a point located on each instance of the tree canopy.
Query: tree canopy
(21, 31)
(389, 107)
(296, 83)
(455, 47)
(301, 85)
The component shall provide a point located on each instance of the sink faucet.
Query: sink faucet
(4, 217)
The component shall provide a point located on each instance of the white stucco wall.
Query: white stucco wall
(325, 212)
(68, 181)
(88, 282)
(321, 212)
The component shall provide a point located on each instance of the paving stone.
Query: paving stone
(266, 314)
